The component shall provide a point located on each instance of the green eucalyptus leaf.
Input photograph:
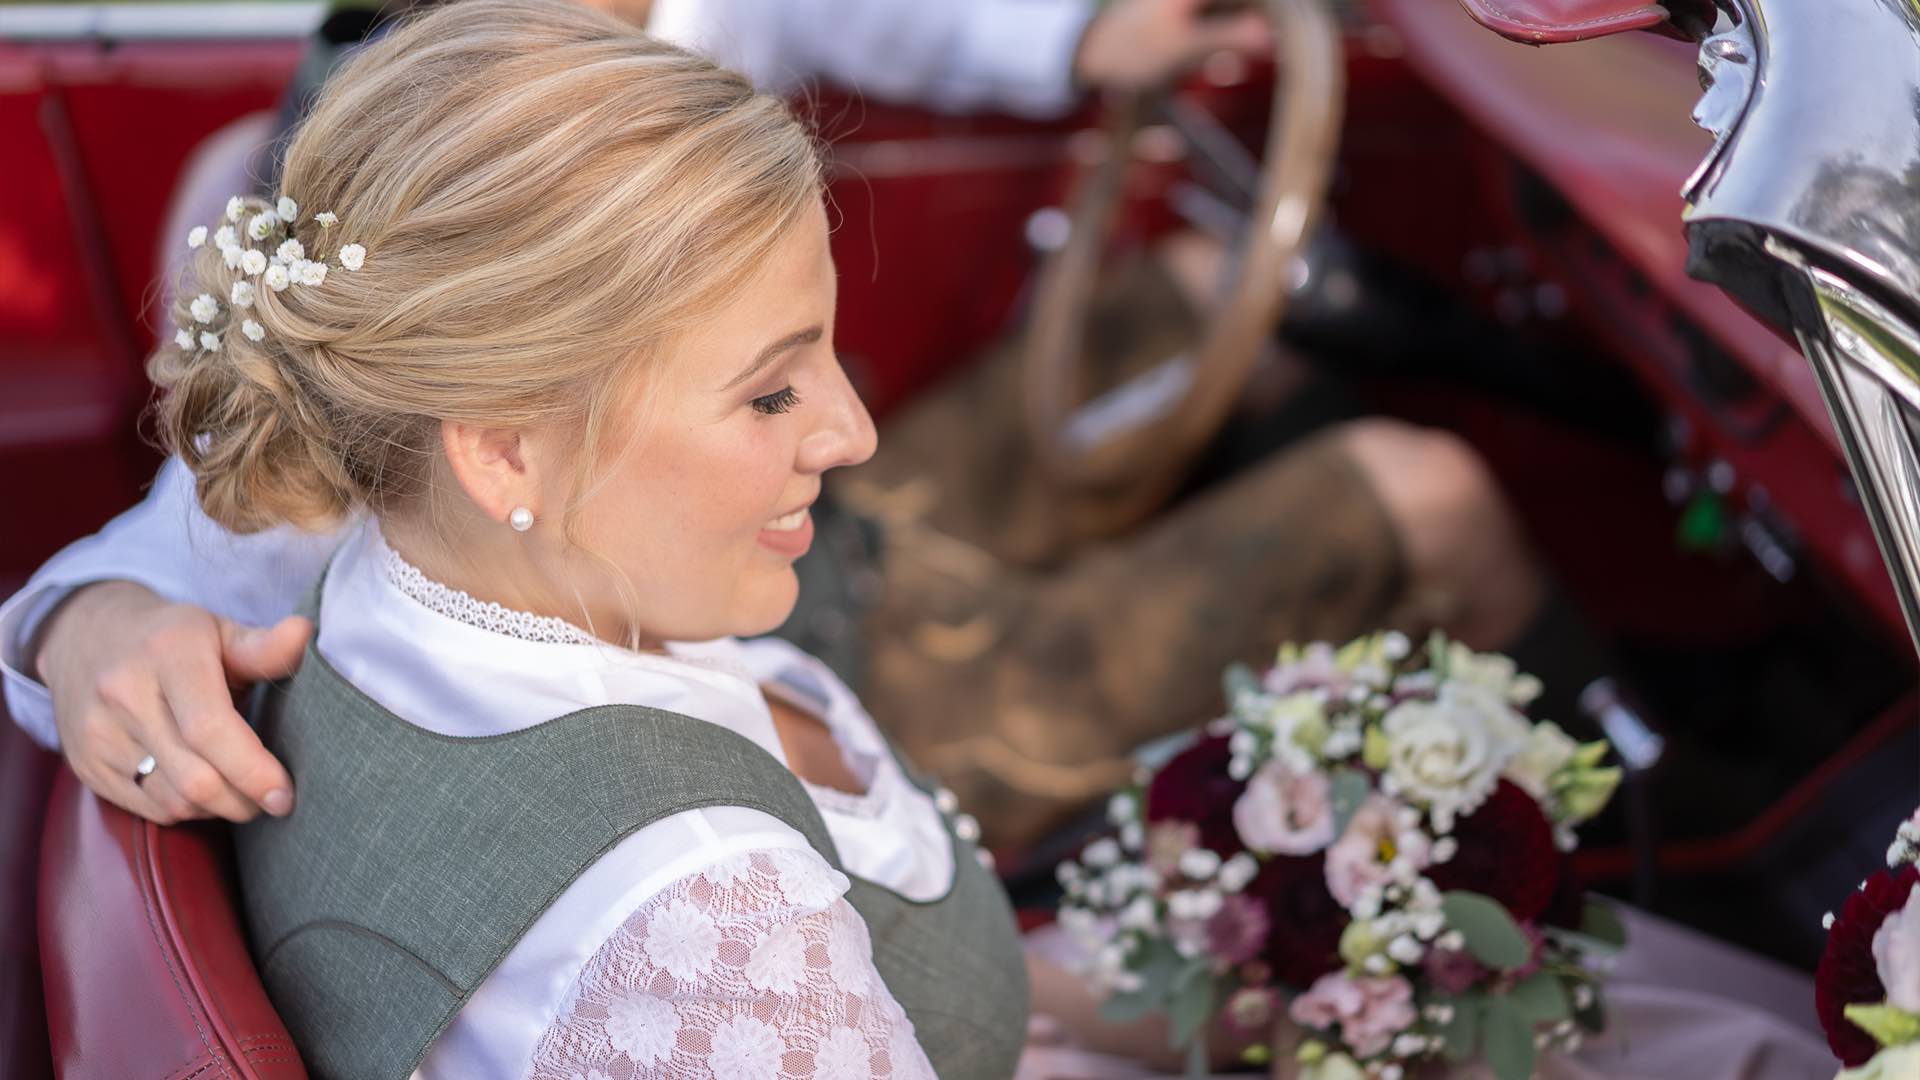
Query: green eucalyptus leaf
(1492, 936)
(1600, 921)
(1238, 680)
(1509, 1041)
(1158, 966)
(1189, 1012)
(1347, 791)
(1462, 1033)
(1541, 998)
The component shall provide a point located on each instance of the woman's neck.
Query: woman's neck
(500, 570)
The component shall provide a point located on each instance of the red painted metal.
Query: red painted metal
(1543, 22)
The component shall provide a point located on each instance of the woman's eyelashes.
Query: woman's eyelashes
(777, 402)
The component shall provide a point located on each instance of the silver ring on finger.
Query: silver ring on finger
(144, 769)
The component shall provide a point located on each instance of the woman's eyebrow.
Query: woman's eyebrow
(792, 341)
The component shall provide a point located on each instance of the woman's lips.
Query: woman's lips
(789, 535)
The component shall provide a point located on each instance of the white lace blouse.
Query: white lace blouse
(715, 942)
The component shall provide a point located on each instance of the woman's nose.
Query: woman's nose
(845, 435)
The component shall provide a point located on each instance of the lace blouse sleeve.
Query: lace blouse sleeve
(756, 967)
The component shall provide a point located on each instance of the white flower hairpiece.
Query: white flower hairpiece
(288, 264)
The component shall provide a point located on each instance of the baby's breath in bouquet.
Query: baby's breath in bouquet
(1374, 841)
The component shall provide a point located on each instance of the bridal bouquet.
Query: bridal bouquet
(1374, 840)
(1867, 988)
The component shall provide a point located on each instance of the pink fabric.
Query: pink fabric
(756, 968)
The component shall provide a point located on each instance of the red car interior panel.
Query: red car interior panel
(147, 973)
(1541, 22)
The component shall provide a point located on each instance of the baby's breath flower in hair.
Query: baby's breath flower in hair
(287, 209)
(253, 330)
(327, 219)
(253, 260)
(308, 272)
(261, 225)
(233, 256)
(235, 208)
(242, 295)
(183, 339)
(353, 256)
(291, 251)
(209, 341)
(204, 308)
(226, 238)
(197, 237)
(277, 278)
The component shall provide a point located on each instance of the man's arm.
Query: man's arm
(103, 653)
(1029, 57)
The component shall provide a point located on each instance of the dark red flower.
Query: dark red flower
(1306, 919)
(1846, 975)
(1568, 907)
(1195, 787)
(1506, 852)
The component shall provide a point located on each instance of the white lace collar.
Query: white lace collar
(484, 614)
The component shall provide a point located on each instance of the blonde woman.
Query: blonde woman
(544, 309)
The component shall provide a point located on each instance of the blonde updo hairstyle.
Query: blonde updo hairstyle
(545, 196)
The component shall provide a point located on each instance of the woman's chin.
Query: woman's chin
(768, 604)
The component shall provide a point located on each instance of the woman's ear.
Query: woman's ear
(493, 466)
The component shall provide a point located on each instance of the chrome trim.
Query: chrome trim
(158, 22)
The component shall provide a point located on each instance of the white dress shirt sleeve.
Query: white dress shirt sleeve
(168, 544)
(951, 55)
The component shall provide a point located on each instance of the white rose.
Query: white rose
(1448, 753)
(353, 256)
(1492, 671)
(1546, 751)
(1896, 954)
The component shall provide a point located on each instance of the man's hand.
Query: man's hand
(1136, 44)
(132, 675)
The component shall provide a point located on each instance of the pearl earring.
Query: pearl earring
(521, 519)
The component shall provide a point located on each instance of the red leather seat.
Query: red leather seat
(25, 772)
(145, 965)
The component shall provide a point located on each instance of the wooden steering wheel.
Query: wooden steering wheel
(1118, 457)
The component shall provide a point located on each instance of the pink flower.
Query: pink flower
(1283, 812)
(1238, 931)
(1453, 971)
(1166, 842)
(1369, 1010)
(1896, 954)
(1375, 850)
